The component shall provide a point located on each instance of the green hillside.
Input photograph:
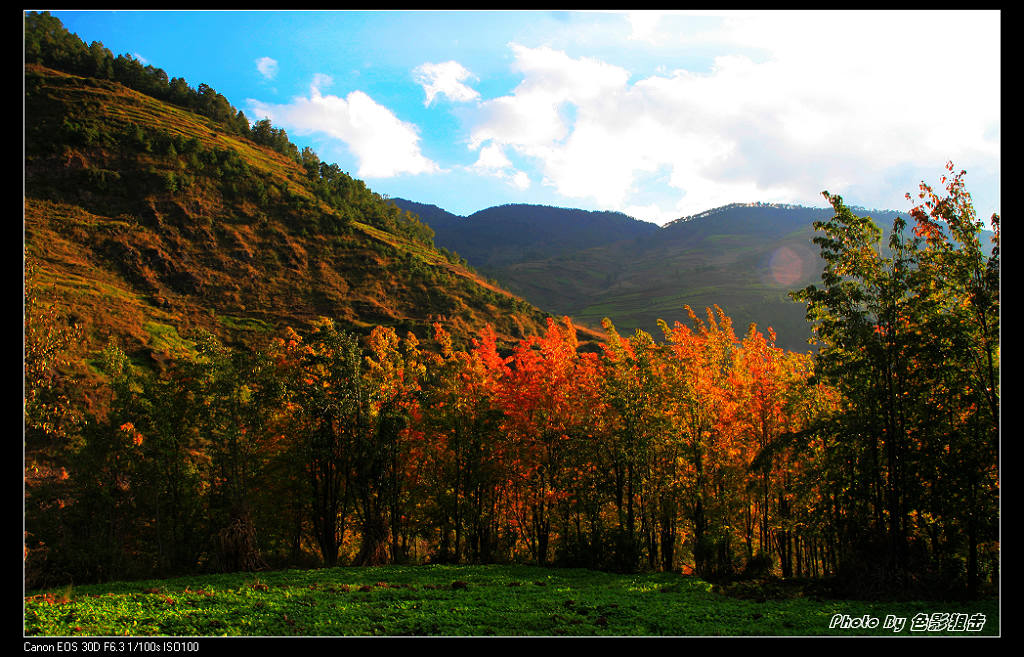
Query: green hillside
(745, 259)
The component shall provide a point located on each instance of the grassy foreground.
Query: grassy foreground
(470, 601)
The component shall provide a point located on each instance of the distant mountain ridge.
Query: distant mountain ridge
(732, 206)
(744, 257)
(506, 234)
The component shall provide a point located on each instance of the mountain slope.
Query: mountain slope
(148, 220)
(745, 258)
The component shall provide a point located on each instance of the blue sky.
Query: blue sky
(655, 114)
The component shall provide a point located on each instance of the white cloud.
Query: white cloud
(535, 120)
(267, 67)
(493, 162)
(383, 145)
(492, 158)
(321, 81)
(643, 24)
(820, 101)
(445, 79)
(552, 73)
(520, 180)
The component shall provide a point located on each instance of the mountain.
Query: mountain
(148, 219)
(153, 209)
(507, 234)
(745, 258)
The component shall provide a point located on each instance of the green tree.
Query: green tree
(636, 391)
(960, 294)
(908, 337)
(234, 410)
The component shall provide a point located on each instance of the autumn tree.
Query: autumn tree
(585, 425)
(635, 388)
(326, 417)
(699, 359)
(534, 398)
(466, 480)
(776, 403)
(387, 472)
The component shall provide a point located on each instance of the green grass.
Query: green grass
(165, 338)
(455, 601)
(244, 323)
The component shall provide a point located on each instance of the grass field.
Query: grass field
(475, 601)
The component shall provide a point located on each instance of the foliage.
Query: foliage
(382, 451)
(910, 340)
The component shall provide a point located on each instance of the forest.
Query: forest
(873, 462)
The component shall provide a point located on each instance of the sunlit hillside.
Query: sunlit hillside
(148, 220)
